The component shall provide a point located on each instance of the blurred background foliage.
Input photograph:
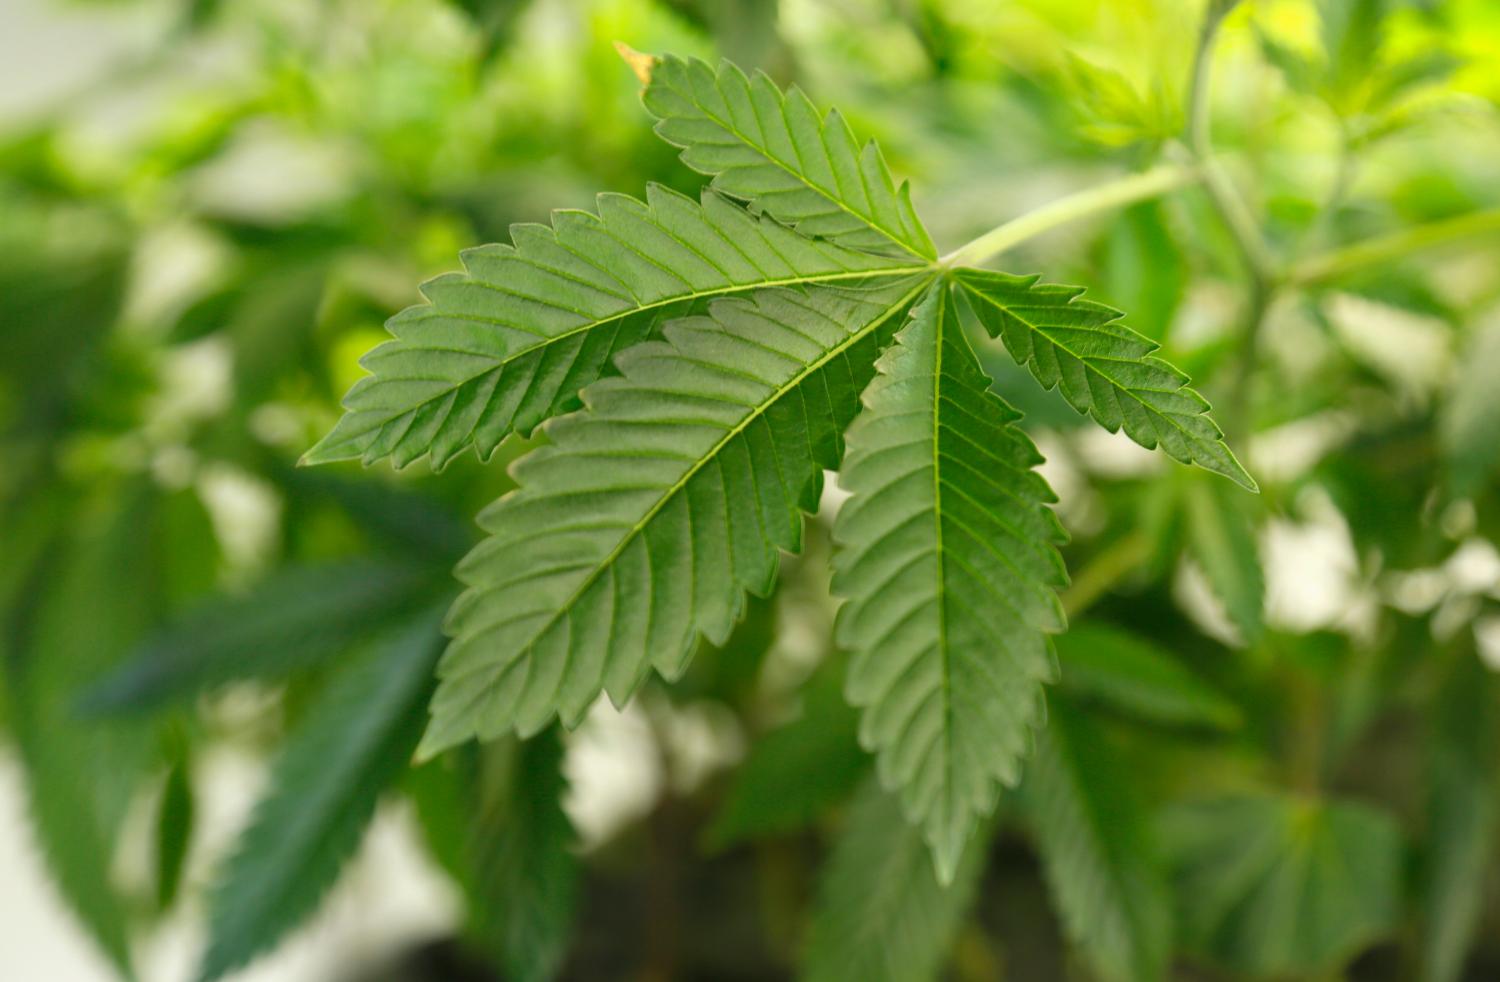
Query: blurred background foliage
(1273, 751)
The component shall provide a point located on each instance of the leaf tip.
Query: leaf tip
(640, 63)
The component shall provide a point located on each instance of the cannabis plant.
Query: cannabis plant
(759, 462)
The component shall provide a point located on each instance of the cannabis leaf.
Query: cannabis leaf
(718, 350)
(520, 873)
(948, 555)
(882, 914)
(509, 343)
(1276, 884)
(358, 738)
(654, 508)
(1129, 674)
(295, 618)
(1096, 850)
(1101, 367)
(1463, 806)
(774, 150)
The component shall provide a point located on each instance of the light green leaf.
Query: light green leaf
(1221, 537)
(357, 740)
(948, 555)
(776, 151)
(1129, 673)
(1276, 884)
(882, 915)
(297, 617)
(509, 342)
(1471, 416)
(521, 875)
(1096, 850)
(657, 506)
(799, 770)
(1101, 367)
(1463, 811)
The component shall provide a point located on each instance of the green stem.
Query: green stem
(1371, 252)
(1260, 264)
(1104, 197)
(1111, 565)
(1221, 192)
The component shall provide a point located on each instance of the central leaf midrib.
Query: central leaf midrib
(937, 515)
(676, 486)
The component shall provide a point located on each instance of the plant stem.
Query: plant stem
(1350, 259)
(1111, 565)
(1260, 264)
(1104, 197)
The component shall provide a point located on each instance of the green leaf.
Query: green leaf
(1101, 367)
(1096, 850)
(1276, 884)
(174, 830)
(1463, 811)
(297, 617)
(522, 876)
(656, 507)
(776, 151)
(882, 914)
(1129, 673)
(324, 786)
(1471, 416)
(798, 771)
(1221, 537)
(510, 342)
(82, 774)
(948, 558)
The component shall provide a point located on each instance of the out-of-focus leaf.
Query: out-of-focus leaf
(522, 874)
(1144, 270)
(411, 522)
(795, 773)
(80, 775)
(881, 913)
(1463, 806)
(1221, 537)
(174, 830)
(356, 741)
(297, 617)
(1130, 674)
(1280, 884)
(1115, 112)
(1096, 850)
(1470, 421)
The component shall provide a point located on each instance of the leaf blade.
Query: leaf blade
(510, 342)
(976, 546)
(774, 150)
(882, 914)
(323, 791)
(1102, 368)
(731, 419)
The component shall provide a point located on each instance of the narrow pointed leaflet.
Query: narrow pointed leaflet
(948, 558)
(1101, 367)
(774, 150)
(653, 510)
(512, 340)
